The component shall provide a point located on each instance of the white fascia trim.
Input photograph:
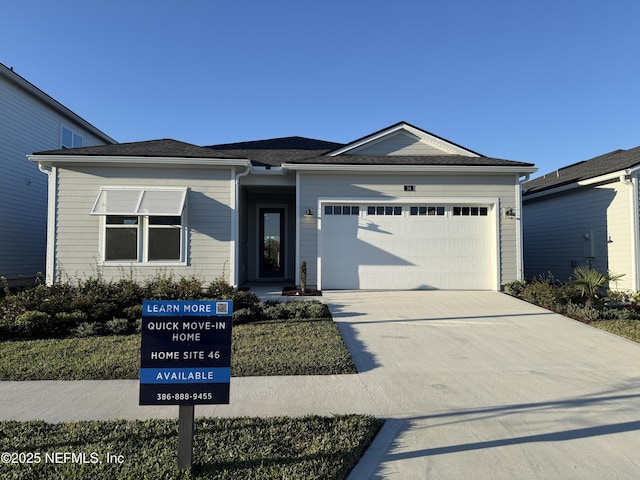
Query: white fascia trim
(50, 160)
(422, 136)
(388, 169)
(268, 171)
(582, 183)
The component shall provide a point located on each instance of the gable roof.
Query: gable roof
(408, 128)
(587, 169)
(31, 89)
(308, 151)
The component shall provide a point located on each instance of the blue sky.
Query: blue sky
(549, 82)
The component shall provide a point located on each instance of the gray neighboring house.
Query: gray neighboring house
(30, 120)
(400, 208)
(585, 214)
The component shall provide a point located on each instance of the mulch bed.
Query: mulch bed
(296, 292)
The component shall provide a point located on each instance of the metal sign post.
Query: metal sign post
(185, 360)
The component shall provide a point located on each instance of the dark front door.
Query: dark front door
(271, 242)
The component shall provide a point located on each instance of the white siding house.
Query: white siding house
(30, 121)
(585, 214)
(398, 209)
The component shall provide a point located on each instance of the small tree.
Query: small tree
(303, 276)
(589, 281)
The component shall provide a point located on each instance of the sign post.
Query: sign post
(185, 360)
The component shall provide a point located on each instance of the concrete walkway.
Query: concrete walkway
(474, 385)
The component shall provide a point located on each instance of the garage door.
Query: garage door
(371, 246)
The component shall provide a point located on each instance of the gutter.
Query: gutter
(235, 227)
(50, 259)
(618, 175)
(635, 223)
(387, 169)
(50, 160)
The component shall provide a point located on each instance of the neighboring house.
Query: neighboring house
(585, 214)
(30, 120)
(398, 209)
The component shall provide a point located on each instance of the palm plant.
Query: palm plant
(589, 281)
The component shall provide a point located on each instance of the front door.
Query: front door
(271, 257)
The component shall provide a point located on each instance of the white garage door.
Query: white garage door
(370, 246)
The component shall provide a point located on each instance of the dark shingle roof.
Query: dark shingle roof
(276, 151)
(300, 150)
(601, 165)
(152, 148)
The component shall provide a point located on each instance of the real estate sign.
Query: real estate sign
(185, 352)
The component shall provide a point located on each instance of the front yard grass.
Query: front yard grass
(274, 347)
(249, 448)
(625, 328)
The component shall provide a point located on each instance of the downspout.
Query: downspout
(235, 229)
(519, 232)
(635, 224)
(50, 260)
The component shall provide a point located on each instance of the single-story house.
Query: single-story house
(400, 208)
(585, 214)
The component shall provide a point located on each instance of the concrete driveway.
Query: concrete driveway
(479, 385)
(475, 385)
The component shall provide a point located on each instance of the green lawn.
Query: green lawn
(240, 448)
(625, 328)
(276, 347)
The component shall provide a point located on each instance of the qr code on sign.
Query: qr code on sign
(222, 308)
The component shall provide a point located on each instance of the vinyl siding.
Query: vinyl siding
(568, 229)
(26, 125)
(400, 143)
(208, 219)
(389, 187)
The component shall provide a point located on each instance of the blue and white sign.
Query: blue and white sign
(185, 352)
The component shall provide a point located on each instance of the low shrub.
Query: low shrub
(568, 299)
(166, 287)
(89, 329)
(94, 306)
(120, 326)
(31, 322)
(242, 299)
(220, 289)
(515, 288)
(65, 321)
(245, 315)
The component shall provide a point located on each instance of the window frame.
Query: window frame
(145, 225)
(77, 140)
(143, 230)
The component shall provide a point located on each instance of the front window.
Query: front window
(121, 238)
(143, 239)
(164, 238)
(142, 224)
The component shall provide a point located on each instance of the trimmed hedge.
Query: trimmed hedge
(97, 307)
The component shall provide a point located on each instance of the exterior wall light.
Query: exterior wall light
(308, 213)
